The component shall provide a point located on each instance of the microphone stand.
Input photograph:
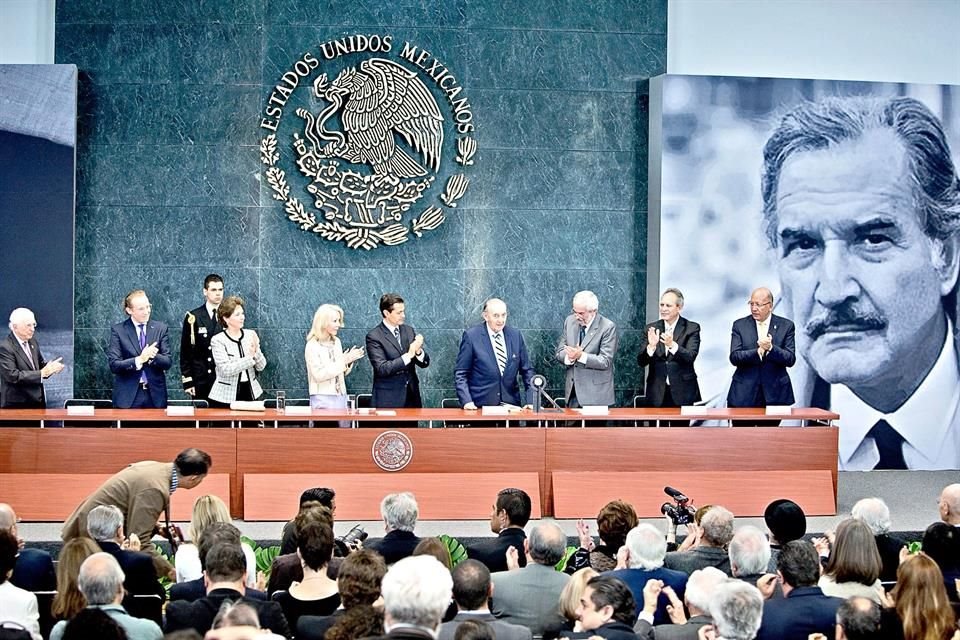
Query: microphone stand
(538, 402)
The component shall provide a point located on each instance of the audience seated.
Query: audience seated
(717, 531)
(435, 547)
(416, 592)
(804, 609)
(207, 510)
(858, 618)
(949, 505)
(101, 582)
(358, 583)
(399, 512)
(701, 586)
(94, 623)
(475, 630)
(34, 568)
(225, 573)
(570, 602)
(854, 565)
(749, 554)
(614, 522)
(362, 621)
(921, 609)
(736, 609)
(509, 516)
(68, 601)
(237, 617)
(607, 609)
(16, 604)
(875, 513)
(941, 542)
(288, 568)
(643, 558)
(472, 588)
(213, 534)
(785, 521)
(530, 596)
(317, 496)
(694, 531)
(316, 594)
(105, 526)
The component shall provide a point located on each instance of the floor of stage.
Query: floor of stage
(911, 495)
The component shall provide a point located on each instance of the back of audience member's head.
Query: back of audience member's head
(206, 510)
(193, 462)
(701, 586)
(474, 630)
(362, 621)
(434, 547)
(315, 543)
(183, 634)
(226, 563)
(517, 505)
(854, 557)
(647, 547)
(700, 512)
(310, 515)
(799, 564)
(101, 579)
(573, 590)
(69, 601)
(359, 578)
(417, 591)
(399, 511)
(717, 526)
(547, 544)
(324, 495)
(234, 613)
(941, 542)
(785, 520)
(614, 522)
(471, 585)
(613, 592)
(103, 522)
(736, 608)
(749, 551)
(93, 623)
(213, 534)
(9, 548)
(860, 618)
(875, 513)
(922, 603)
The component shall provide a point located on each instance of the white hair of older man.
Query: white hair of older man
(21, 315)
(875, 513)
(588, 299)
(417, 591)
(749, 551)
(400, 511)
(736, 608)
(647, 547)
(701, 585)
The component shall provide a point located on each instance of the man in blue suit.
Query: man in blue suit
(139, 356)
(395, 351)
(491, 355)
(761, 348)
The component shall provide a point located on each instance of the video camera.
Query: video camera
(352, 537)
(680, 512)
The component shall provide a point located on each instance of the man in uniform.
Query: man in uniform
(199, 325)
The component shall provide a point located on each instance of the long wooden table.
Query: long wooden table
(570, 471)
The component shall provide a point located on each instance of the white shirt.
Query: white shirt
(20, 606)
(928, 421)
(211, 311)
(187, 563)
(583, 356)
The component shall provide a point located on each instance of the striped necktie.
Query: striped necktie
(501, 352)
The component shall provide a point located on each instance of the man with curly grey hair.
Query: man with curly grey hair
(399, 512)
(416, 593)
(717, 526)
(736, 608)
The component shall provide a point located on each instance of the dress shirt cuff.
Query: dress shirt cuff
(651, 349)
(673, 349)
(137, 363)
(583, 358)
(406, 359)
(646, 616)
(567, 361)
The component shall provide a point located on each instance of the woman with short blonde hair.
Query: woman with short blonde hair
(207, 510)
(327, 363)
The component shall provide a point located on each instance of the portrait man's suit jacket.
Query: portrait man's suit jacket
(529, 597)
(502, 630)
(121, 354)
(392, 378)
(684, 387)
(22, 384)
(768, 373)
(477, 375)
(592, 380)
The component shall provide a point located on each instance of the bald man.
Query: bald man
(950, 505)
(34, 568)
(762, 347)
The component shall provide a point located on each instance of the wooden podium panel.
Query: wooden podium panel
(52, 497)
(447, 496)
(581, 494)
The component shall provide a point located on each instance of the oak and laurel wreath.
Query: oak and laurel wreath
(361, 238)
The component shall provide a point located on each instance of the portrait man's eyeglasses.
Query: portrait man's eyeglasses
(757, 305)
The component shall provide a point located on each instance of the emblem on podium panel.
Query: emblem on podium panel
(382, 144)
(392, 450)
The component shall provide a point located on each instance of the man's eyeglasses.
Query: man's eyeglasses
(757, 305)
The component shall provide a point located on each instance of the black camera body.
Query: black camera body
(352, 537)
(680, 512)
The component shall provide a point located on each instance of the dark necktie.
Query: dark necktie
(583, 332)
(890, 445)
(26, 352)
(143, 344)
(501, 352)
(396, 334)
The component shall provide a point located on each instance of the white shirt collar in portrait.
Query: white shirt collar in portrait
(924, 420)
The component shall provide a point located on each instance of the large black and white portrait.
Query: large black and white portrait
(843, 199)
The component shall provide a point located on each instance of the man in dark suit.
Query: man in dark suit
(673, 343)
(416, 593)
(510, 514)
(139, 356)
(22, 367)
(400, 512)
(644, 556)
(213, 534)
(700, 588)
(225, 574)
(762, 347)
(395, 351)
(33, 570)
(472, 589)
(607, 609)
(490, 358)
(587, 349)
(197, 370)
(105, 526)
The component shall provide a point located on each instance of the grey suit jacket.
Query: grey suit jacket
(529, 597)
(229, 364)
(502, 630)
(592, 379)
(646, 631)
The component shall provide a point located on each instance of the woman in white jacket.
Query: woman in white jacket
(327, 362)
(237, 356)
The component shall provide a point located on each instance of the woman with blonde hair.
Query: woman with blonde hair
(68, 601)
(570, 602)
(207, 510)
(918, 607)
(327, 362)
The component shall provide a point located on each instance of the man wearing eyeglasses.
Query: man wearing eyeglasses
(761, 348)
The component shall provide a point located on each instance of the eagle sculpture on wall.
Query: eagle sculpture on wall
(377, 101)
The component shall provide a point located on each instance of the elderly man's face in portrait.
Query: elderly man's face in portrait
(865, 280)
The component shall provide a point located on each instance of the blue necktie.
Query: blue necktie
(143, 344)
(396, 334)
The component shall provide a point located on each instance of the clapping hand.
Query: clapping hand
(353, 354)
(653, 337)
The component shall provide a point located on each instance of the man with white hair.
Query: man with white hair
(700, 588)
(641, 559)
(105, 527)
(587, 348)
(717, 527)
(749, 554)
(736, 609)
(399, 512)
(875, 513)
(101, 583)
(416, 593)
(22, 367)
